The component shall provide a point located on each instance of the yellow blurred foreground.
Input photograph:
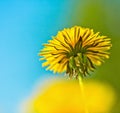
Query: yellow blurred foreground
(65, 97)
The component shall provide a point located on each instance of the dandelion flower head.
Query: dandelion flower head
(65, 97)
(75, 50)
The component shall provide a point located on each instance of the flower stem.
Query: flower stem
(82, 93)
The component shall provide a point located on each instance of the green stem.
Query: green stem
(82, 93)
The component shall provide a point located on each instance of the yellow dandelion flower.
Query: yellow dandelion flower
(76, 50)
(66, 97)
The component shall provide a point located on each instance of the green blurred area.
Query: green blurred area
(103, 16)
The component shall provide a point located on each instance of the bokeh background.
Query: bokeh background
(26, 24)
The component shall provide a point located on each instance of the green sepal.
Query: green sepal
(72, 63)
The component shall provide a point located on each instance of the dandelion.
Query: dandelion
(63, 96)
(76, 51)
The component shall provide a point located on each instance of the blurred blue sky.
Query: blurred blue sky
(24, 27)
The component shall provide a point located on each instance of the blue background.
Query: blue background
(24, 27)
